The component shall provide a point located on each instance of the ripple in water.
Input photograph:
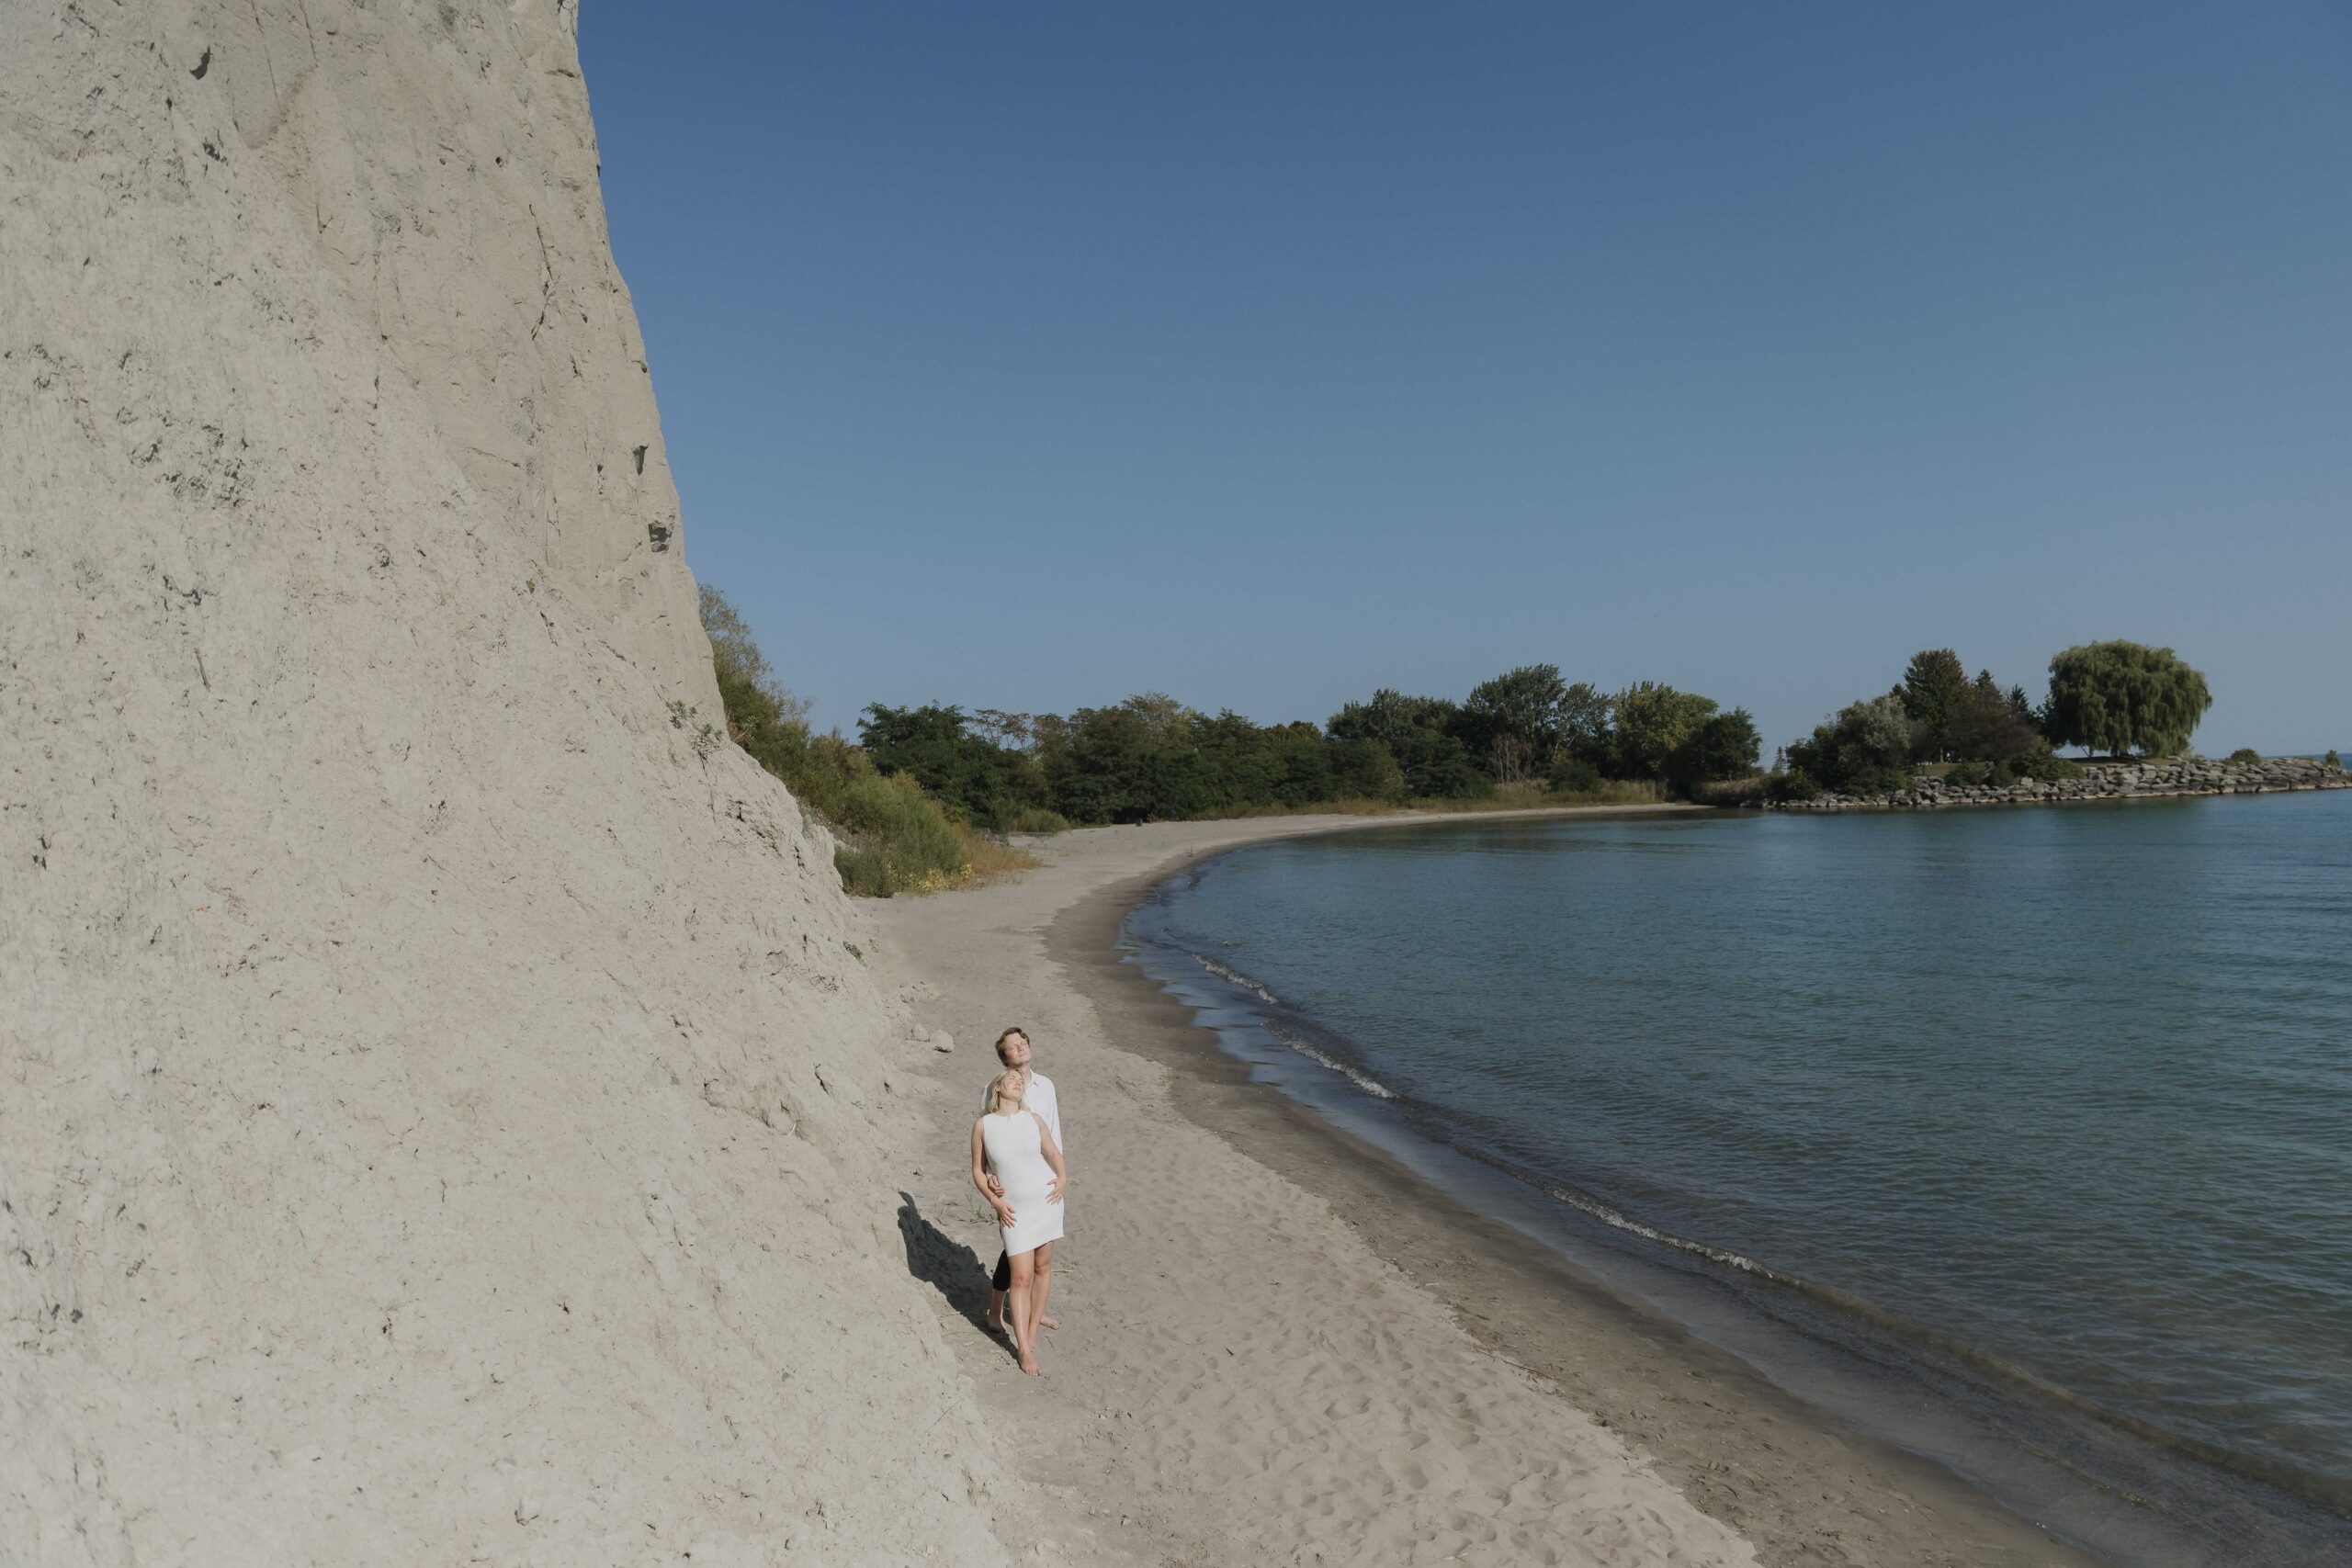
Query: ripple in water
(2069, 1091)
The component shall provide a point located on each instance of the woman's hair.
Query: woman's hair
(1011, 1075)
(1008, 1034)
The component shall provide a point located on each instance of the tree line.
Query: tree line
(2111, 696)
(1528, 732)
(925, 794)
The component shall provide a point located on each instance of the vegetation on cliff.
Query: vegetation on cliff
(895, 837)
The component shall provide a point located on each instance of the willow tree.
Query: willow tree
(2122, 697)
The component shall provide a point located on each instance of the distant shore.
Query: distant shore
(1288, 1339)
(2100, 781)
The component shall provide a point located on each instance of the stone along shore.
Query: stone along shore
(2102, 781)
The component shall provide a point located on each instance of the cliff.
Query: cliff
(438, 1092)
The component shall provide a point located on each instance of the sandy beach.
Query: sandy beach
(1273, 1335)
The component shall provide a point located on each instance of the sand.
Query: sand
(1277, 1341)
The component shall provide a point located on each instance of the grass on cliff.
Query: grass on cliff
(895, 837)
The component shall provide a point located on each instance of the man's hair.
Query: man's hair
(1008, 1034)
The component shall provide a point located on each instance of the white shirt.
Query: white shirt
(1039, 1099)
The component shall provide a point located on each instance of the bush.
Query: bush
(1037, 820)
(2245, 754)
(1574, 775)
(1864, 750)
(1730, 792)
(897, 838)
(1793, 784)
(2331, 760)
(2047, 766)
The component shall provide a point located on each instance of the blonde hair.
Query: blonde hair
(996, 1087)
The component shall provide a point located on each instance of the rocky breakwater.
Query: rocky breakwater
(441, 1083)
(2101, 781)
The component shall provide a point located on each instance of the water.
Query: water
(2056, 1101)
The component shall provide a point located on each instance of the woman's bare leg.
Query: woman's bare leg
(1018, 1314)
(1041, 1285)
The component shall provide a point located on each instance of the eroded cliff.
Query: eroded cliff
(437, 1090)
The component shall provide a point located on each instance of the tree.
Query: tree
(1423, 735)
(2122, 697)
(1654, 722)
(1585, 719)
(1933, 689)
(1864, 750)
(987, 783)
(1724, 746)
(1994, 727)
(1514, 720)
(1132, 762)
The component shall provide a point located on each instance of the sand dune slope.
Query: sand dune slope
(438, 1087)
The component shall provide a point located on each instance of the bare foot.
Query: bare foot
(1047, 1323)
(1029, 1365)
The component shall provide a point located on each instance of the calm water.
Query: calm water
(2064, 1095)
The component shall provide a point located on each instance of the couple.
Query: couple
(1017, 1165)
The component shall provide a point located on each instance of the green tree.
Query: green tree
(2123, 696)
(1132, 762)
(1723, 746)
(1513, 723)
(987, 784)
(1422, 734)
(1865, 749)
(1994, 727)
(1935, 690)
(1654, 722)
(1587, 720)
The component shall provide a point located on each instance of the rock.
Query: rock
(942, 1041)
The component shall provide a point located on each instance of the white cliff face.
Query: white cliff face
(438, 1093)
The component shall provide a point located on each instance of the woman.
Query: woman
(1015, 1142)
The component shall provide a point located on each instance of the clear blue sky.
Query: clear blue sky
(1030, 357)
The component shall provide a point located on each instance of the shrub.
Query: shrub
(1730, 792)
(2331, 760)
(1574, 775)
(1794, 783)
(896, 838)
(2047, 766)
(1864, 750)
(2245, 754)
(1037, 820)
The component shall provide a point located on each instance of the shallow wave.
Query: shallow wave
(1363, 1081)
(1232, 976)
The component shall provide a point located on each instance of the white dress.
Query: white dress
(1016, 1152)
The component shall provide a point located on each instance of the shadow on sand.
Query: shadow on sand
(947, 1265)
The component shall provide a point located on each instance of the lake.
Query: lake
(2055, 1102)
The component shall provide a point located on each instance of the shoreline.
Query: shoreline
(1795, 1483)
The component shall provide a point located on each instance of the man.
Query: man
(1013, 1050)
